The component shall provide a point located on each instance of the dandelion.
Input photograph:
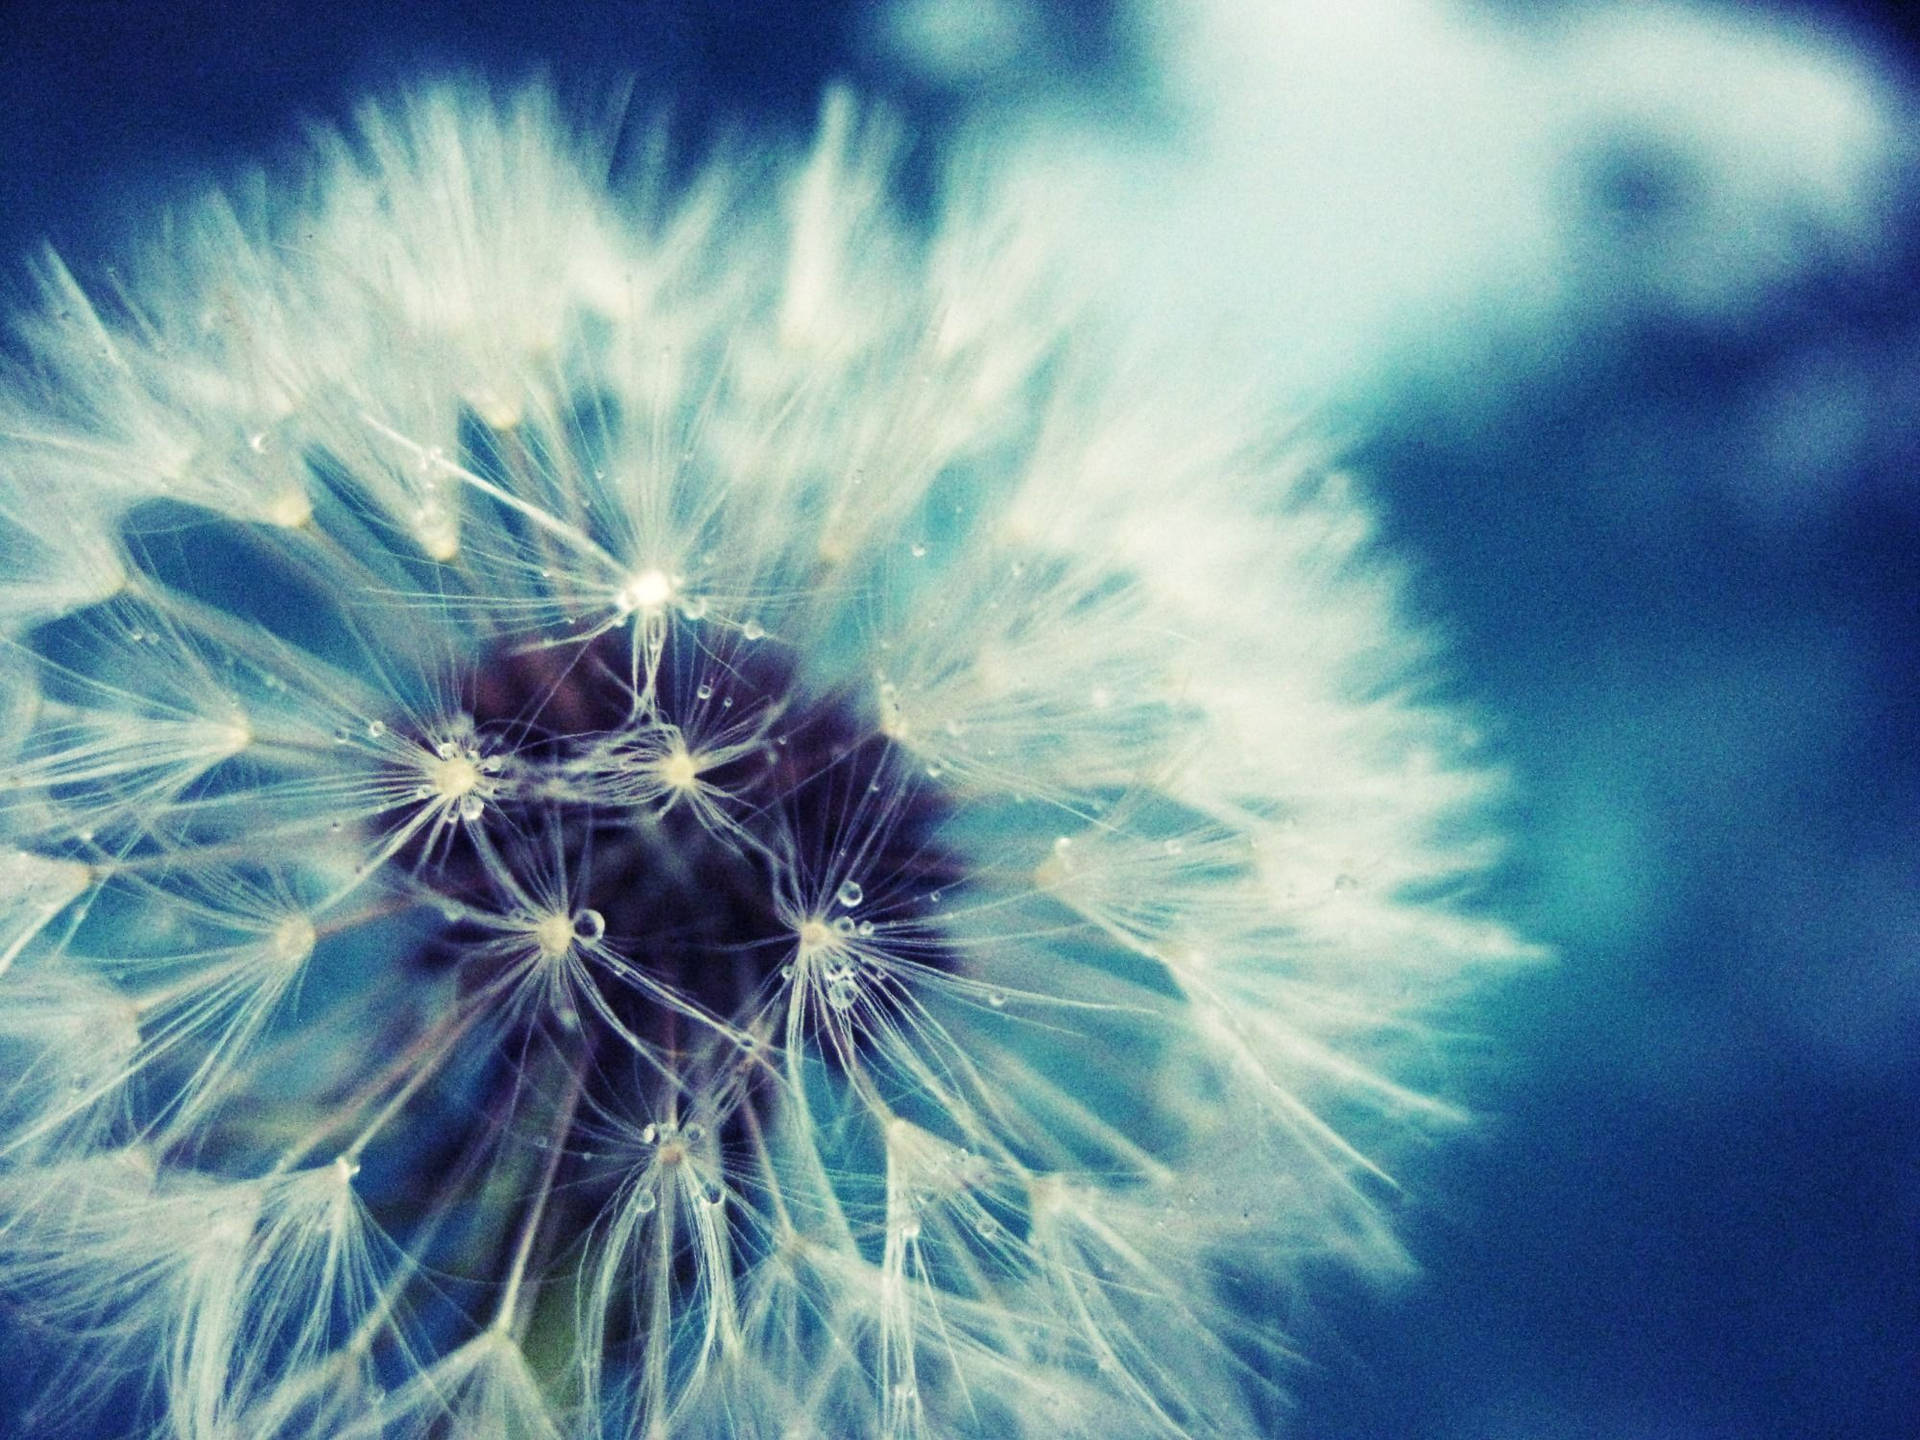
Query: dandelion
(681, 810)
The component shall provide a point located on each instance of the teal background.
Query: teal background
(1679, 567)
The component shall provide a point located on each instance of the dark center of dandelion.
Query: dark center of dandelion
(688, 818)
(708, 896)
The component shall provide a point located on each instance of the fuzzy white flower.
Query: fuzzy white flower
(685, 818)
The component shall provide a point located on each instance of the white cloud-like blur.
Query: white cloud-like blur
(1320, 185)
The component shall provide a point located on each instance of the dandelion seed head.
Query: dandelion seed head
(816, 936)
(678, 770)
(453, 776)
(678, 809)
(554, 934)
(293, 939)
(647, 592)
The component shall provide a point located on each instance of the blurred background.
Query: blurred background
(1615, 308)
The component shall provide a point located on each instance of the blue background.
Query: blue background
(1692, 1211)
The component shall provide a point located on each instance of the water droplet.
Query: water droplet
(589, 925)
(841, 994)
(341, 735)
(376, 728)
(713, 1193)
(753, 630)
(850, 894)
(1174, 847)
(650, 1134)
(704, 692)
(996, 998)
(786, 972)
(910, 1230)
(446, 750)
(471, 807)
(644, 1201)
(918, 549)
(866, 928)
(694, 607)
(843, 925)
